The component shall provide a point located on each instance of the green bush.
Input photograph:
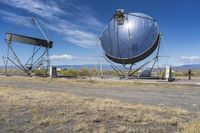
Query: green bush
(81, 72)
(69, 72)
(84, 72)
(185, 74)
(41, 72)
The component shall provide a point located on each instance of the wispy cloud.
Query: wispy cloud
(62, 57)
(12, 17)
(70, 57)
(47, 8)
(75, 34)
(76, 24)
(190, 59)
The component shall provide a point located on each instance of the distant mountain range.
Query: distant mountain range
(108, 67)
(89, 66)
(191, 66)
(76, 67)
(186, 67)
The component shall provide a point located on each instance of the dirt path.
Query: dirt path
(183, 96)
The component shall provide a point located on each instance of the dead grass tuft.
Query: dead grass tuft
(26, 110)
(80, 127)
(193, 127)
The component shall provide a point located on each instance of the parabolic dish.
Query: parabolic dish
(130, 40)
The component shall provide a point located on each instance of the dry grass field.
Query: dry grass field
(33, 110)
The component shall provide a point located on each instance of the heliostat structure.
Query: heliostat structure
(129, 38)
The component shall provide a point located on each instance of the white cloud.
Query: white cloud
(62, 57)
(12, 17)
(70, 57)
(45, 9)
(75, 34)
(76, 24)
(190, 59)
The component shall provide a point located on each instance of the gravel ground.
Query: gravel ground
(181, 94)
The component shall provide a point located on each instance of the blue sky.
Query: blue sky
(75, 25)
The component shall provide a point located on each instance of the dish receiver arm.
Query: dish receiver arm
(28, 40)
